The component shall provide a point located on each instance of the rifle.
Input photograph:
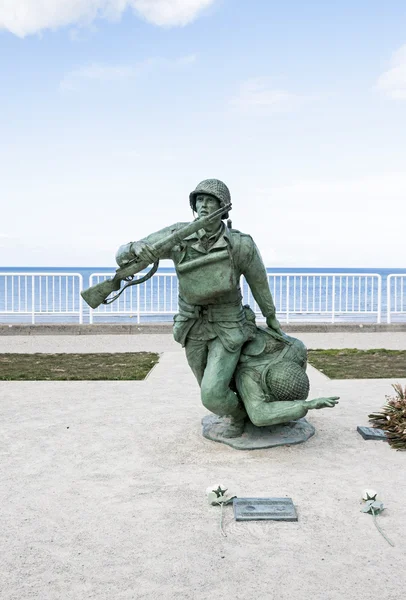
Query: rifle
(98, 294)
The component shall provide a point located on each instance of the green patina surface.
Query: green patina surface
(76, 367)
(351, 363)
(218, 333)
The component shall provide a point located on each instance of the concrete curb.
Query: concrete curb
(160, 328)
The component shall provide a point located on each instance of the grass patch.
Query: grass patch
(124, 366)
(351, 363)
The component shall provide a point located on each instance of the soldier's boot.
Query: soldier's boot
(233, 427)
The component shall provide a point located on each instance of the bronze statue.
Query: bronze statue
(271, 379)
(212, 324)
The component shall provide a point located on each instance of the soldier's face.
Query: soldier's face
(205, 205)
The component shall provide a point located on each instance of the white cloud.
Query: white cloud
(103, 73)
(24, 17)
(170, 12)
(393, 81)
(258, 95)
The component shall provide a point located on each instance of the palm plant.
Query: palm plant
(392, 418)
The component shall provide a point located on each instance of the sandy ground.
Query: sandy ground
(103, 483)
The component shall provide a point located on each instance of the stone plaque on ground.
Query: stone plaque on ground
(370, 433)
(264, 509)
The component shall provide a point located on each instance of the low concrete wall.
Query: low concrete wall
(158, 328)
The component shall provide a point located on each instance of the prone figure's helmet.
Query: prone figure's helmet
(212, 187)
(285, 380)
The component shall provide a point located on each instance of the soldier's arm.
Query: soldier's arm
(127, 252)
(274, 413)
(254, 272)
(262, 412)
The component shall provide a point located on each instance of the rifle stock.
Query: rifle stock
(97, 294)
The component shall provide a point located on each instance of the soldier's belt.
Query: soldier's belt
(231, 312)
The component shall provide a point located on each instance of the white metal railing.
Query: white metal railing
(395, 296)
(157, 296)
(325, 297)
(41, 294)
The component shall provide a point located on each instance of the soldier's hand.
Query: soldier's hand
(144, 252)
(273, 323)
(329, 402)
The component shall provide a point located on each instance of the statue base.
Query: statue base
(255, 438)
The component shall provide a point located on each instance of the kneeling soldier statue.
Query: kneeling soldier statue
(244, 372)
(211, 322)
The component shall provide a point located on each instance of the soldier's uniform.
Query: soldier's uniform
(211, 322)
(271, 377)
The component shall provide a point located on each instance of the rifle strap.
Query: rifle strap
(134, 282)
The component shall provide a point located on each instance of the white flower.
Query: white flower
(369, 495)
(217, 494)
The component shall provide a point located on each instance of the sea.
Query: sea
(150, 297)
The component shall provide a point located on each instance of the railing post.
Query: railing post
(388, 299)
(379, 313)
(333, 300)
(90, 283)
(287, 298)
(33, 300)
(138, 305)
(80, 300)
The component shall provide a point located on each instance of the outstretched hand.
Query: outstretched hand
(274, 324)
(329, 402)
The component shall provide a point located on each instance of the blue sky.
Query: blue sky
(111, 111)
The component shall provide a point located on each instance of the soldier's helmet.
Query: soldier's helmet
(212, 187)
(286, 380)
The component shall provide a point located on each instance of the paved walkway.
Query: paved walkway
(102, 489)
